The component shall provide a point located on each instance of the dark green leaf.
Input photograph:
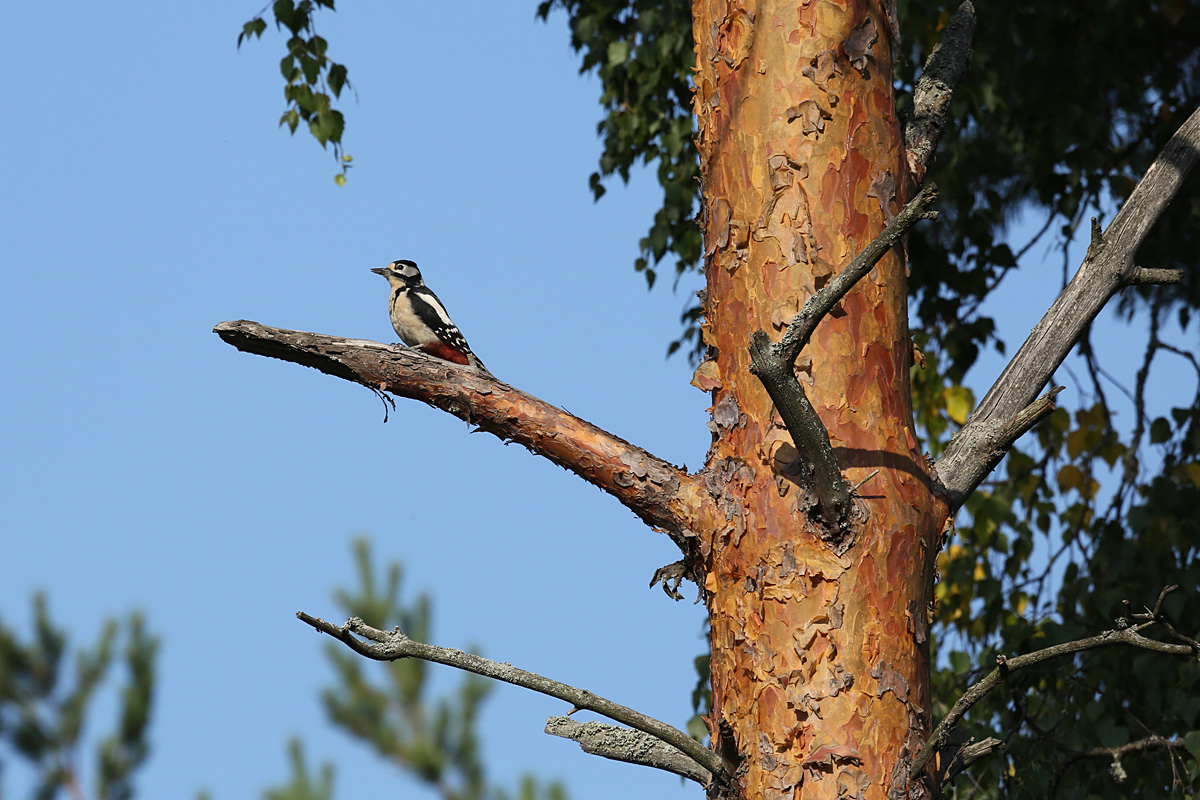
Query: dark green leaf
(337, 79)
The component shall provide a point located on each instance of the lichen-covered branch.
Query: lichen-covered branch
(1107, 268)
(663, 495)
(1130, 636)
(1147, 276)
(630, 746)
(931, 96)
(394, 645)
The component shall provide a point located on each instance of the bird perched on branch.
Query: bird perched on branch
(420, 318)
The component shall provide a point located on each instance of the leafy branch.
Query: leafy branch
(311, 76)
(1124, 634)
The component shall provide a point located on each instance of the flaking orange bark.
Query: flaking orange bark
(819, 645)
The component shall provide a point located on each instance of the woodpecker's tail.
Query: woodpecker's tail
(478, 366)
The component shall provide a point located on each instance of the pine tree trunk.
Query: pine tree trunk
(820, 652)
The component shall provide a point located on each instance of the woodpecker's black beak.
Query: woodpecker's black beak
(380, 271)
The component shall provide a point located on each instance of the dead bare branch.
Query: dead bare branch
(774, 364)
(931, 96)
(969, 754)
(1145, 276)
(663, 495)
(988, 444)
(815, 309)
(394, 645)
(1173, 747)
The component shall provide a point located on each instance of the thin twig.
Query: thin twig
(1006, 666)
(1149, 743)
(801, 328)
(858, 485)
(394, 645)
(1116, 753)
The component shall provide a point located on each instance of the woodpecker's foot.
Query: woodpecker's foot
(670, 577)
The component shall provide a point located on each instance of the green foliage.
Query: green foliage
(310, 76)
(44, 704)
(1052, 131)
(642, 52)
(389, 708)
(1044, 559)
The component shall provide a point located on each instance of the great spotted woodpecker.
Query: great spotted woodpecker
(420, 318)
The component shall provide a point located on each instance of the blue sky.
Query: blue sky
(148, 195)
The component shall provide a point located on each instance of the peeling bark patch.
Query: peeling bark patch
(726, 413)
(883, 188)
(719, 218)
(636, 463)
(707, 376)
(821, 70)
(918, 622)
(852, 784)
(736, 36)
(811, 117)
(858, 46)
(890, 681)
(826, 753)
(788, 562)
(766, 751)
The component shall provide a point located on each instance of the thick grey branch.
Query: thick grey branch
(808, 432)
(394, 645)
(1005, 666)
(630, 746)
(982, 447)
(931, 96)
(1107, 268)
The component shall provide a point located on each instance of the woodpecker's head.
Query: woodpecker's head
(401, 273)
